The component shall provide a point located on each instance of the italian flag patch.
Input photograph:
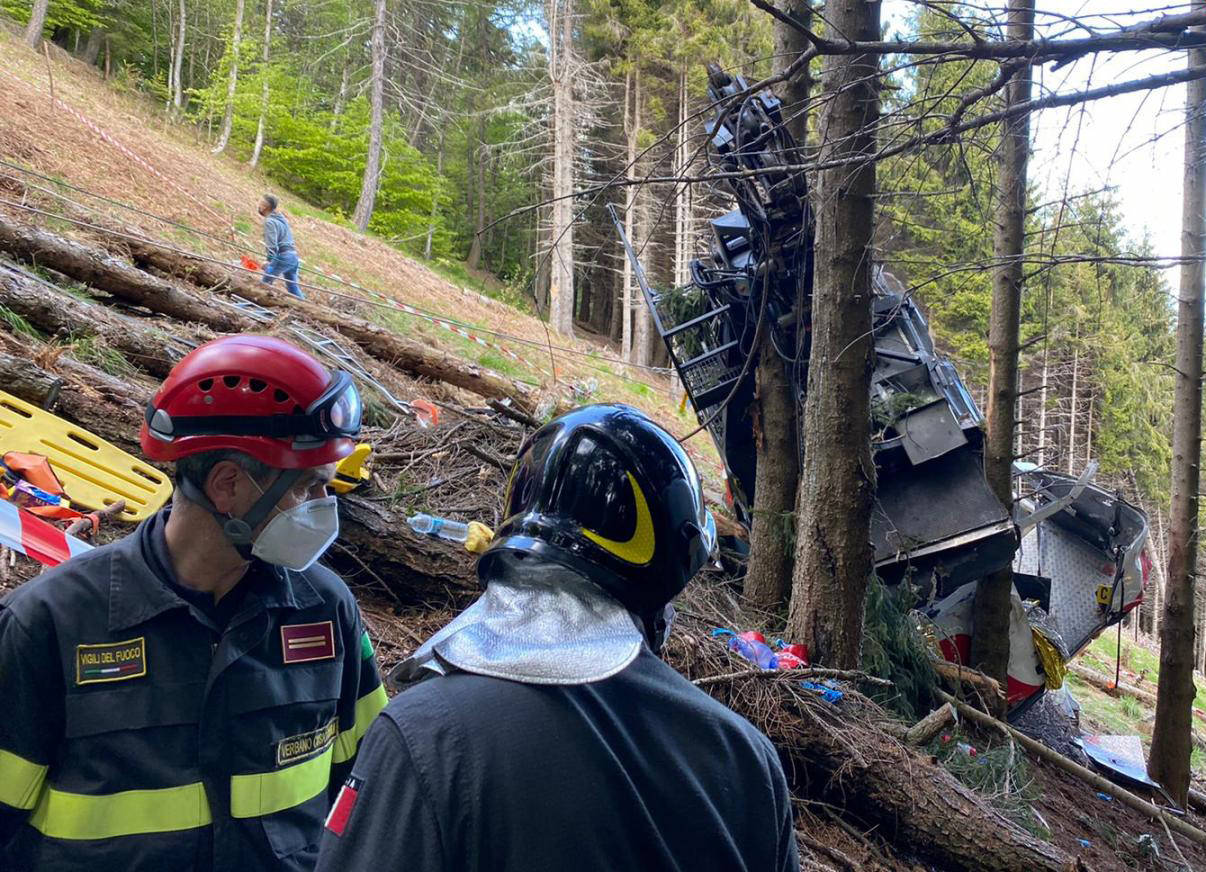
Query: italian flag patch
(337, 820)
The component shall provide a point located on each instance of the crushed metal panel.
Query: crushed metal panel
(948, 496)
(930, 432)
(1120, 757)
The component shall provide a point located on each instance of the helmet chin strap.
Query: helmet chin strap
(238, 531)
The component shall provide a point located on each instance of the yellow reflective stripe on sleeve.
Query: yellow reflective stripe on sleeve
(270, 792)
(367, 708)
(20, 780)
(61, 815)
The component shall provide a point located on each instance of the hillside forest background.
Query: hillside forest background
(481, 114)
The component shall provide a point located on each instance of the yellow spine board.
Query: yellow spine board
(94, 473)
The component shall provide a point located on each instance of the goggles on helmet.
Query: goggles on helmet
(335, 414)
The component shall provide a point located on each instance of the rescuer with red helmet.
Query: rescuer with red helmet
(191, 696)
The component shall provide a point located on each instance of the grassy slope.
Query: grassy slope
(217, 195)
(1102, 713)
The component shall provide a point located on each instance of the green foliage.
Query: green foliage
(18, 324)
(893, 648)
(95, 351)
(80, 15)
(999, 774)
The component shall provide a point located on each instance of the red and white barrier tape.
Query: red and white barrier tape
(29, 535)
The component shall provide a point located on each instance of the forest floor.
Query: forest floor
(172, 175)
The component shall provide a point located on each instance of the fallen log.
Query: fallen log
(383, 344)
(376, 537)
(148, 348)
(1106, 683)
(101, 270)
(29, 383)
(924, 731)
(107, 406)
(842, 755)
(1087, 775)
(958, 674)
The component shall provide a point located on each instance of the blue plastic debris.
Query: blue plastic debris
(1084, 843)
(1104, 797)
(828, 693)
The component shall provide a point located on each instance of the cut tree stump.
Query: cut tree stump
(383, 344)
(29, 383)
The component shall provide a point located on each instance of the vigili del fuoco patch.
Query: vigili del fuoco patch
(112, 661)
(308, 744)
(302, 643)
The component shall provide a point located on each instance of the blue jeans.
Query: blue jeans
(284, 264)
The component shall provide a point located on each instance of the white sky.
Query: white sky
(1133, 142)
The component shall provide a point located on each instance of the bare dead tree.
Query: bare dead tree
(37, 23)
(264, 73)
(372, 164)
(233, 82)
(562, 65)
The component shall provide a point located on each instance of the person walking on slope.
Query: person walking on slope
(192, 696)
(278, 243)
(540, 731)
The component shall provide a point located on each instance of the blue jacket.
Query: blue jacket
(277, 235)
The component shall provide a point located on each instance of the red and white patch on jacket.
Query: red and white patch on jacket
(337, 820)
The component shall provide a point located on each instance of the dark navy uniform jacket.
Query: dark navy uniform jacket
(640, 771)
(146, 729)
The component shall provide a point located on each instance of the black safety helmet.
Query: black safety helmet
(608, 493)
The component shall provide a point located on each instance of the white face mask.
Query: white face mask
(297, 537)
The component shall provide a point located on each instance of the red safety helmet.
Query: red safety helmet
(255, 394)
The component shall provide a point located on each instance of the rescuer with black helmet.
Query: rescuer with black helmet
(539, 730)
(240, 678)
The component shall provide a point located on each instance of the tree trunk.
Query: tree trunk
(233, 82)
(1072, 407)
(372, 163)
(777, 475)
(259, 130)
(641, 320)
(342, 96)
(177, 85)
(435, 195)
(790, 42)
(837, 483)
(37, 23)
(776, 479)
(632, 123)
(561, 243)
(918, 807)
(682, 192)
(96, 39)
(1168, 761)
(29, 383)
(1042, 426)
(475, 247)
(990, 615)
